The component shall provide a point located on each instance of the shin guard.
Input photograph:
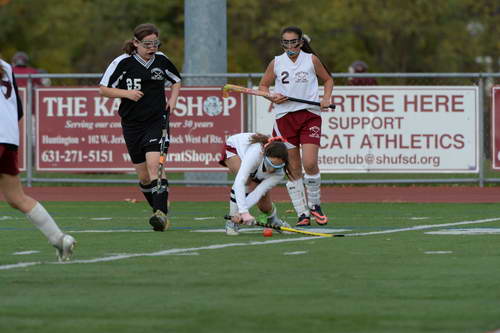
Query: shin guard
(298, 196)
(313, 183)
(233, 207)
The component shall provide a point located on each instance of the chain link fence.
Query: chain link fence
(484, 81)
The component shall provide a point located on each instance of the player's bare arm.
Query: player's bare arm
(327, 81)
(172, 101)
(134, 95)
(267, 81)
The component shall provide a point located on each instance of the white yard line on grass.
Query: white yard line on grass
(468, 231)
(423, 227)
(109, 231)
(24, 252)
(438, 252)
(254, 243)
(294, 253)
(192, 249)
(19, 265)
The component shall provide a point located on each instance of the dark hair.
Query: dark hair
(141, 31)
(306, 47)
(2, 71)
(273, 147)
(20, 59)
(359, 66)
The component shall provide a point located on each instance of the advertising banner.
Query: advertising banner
(79, 130)
(391, 129)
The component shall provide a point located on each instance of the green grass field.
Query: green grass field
(387, 277)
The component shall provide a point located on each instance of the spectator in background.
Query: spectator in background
(20, 65)
(360, 67)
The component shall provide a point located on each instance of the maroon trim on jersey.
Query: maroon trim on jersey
(225, 149)
(8, 88)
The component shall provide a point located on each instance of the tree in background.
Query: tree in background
(389, 35)
(84, 35)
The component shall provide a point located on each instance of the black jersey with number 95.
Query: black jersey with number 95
(131, 72)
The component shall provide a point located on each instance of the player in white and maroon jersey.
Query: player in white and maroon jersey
(294, 73)
(139, 78)
(11, 112)
(259, 162)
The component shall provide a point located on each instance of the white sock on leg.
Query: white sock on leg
(233, 208)
(45, 223)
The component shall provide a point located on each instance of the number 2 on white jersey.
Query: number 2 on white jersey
(284, 77)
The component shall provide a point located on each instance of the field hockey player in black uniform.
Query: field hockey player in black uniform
(139, 77)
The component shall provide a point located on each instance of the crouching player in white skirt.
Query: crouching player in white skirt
(260, 162)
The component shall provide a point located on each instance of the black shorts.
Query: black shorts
(140, 141)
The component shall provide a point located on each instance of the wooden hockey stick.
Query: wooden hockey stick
(231, 87)
(259, 222)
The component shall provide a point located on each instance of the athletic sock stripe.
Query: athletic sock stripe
(146, 188)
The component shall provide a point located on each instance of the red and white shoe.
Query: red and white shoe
(304, 221)
(318, 215)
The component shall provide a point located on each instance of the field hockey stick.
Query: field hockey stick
(259, 223)
(164, 144)
(231, 87)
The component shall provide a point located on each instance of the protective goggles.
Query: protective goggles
(270, 164)
(290, 43)
(149, 44)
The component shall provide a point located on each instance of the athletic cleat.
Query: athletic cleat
(304, 221)
(318, 215)
(64, 250)
(159, 221)
(232, 229)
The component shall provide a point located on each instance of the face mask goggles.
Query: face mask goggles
(289, 44)
(149, 44)
(269, 164)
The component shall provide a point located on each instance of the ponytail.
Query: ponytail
(129, 47)
(259, 138)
